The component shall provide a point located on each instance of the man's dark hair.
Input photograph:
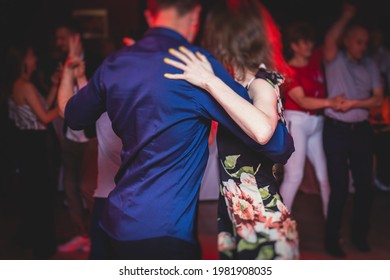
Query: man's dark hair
(71, 24)
(182, 6)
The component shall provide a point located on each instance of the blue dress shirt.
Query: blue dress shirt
(164, 126)
(354, 80)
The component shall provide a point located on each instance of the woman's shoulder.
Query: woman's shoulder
(22, 90)
(22, 85)
(272, 77)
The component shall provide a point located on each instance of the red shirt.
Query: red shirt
(310, 77)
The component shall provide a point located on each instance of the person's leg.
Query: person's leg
(72, 168)
(88, 174)
(336, 150)
(382, 153)
(294, 168)
(72, 160)
(38, 205)
(316, 155)
(100, 248)
(361, 161)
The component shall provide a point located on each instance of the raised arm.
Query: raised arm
(258, 121)
(334, 34)
(73, 74)
(74, 71)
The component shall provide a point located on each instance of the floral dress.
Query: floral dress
(253, 222)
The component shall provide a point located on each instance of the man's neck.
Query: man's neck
(299, 61)
(168, 18)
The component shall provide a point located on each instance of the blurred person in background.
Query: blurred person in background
(305, 99)
(348, 141)
(30, 113)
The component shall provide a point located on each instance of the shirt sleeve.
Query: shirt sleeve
(85, 107)
(281, 145)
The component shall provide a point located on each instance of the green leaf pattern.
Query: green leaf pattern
(258, 213)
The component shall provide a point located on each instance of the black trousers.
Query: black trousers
(37, 195)
(100, 245)
(382, 154)
(161, 248)
(348, 147)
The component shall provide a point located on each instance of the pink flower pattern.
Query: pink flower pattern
(253, 220)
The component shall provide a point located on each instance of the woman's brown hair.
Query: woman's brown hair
(242, 35)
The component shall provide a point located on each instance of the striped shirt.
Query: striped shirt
(23, 116)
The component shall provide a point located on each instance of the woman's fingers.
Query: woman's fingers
(201, 57)
(205, 62)
(195, 66)
(188, 53)
(179, 55)
(187, 56)
(175, 63)
(173, 76)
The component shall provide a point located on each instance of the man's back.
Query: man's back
(164, 127)
(164, 143)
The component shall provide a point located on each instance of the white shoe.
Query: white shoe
(76, 243)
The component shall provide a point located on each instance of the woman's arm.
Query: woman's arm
(258, 121)
(297, 94)
(34, 101)
(55, 80)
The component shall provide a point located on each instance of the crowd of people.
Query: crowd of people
(130, 132)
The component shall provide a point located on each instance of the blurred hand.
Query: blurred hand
(75, 66)
(56, 77)
(196, 68)
(75, 46)
(349, 10)
(336, 102)
(347, 105)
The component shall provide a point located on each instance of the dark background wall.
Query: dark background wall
(36, 19)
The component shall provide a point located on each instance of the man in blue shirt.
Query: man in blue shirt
(164, 127)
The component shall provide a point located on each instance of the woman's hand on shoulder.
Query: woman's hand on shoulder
(197, 70)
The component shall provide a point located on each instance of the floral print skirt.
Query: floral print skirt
(253, 222)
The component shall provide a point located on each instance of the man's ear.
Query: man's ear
(195, 15)
(149, 18)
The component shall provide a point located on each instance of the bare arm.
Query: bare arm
(74, 70)
(334, 34)
(297, 94)
(375, 100)
(55, 80)
(257, 123)
(34, 101)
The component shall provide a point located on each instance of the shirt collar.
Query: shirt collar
(165, 32)
(360, 62)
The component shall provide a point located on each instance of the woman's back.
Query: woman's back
(19, 110)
